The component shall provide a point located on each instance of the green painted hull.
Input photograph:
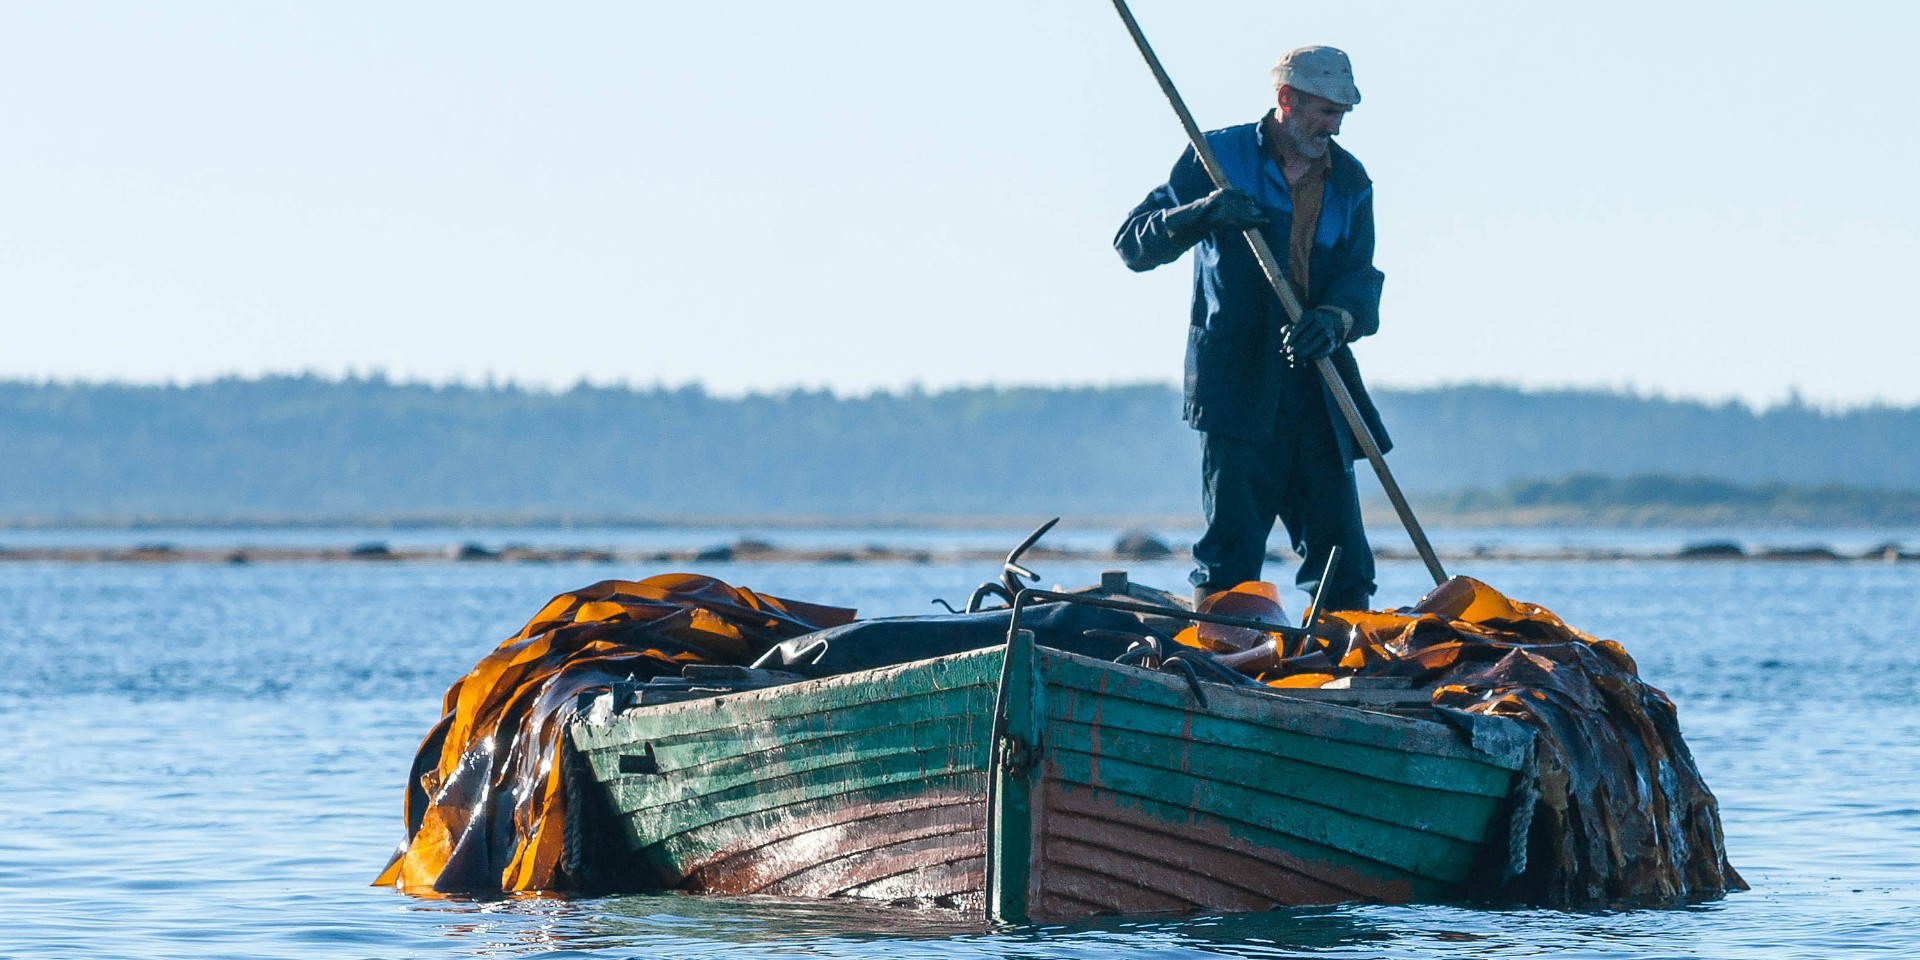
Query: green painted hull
(1112, 790)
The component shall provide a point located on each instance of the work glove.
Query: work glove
(1313, 336)
(1227, 209)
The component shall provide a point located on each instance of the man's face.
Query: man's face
(1309, 122)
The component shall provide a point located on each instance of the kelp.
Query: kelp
(486, 811)
(1614, 812)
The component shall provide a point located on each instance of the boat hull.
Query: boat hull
(871, 784)
(1110, 789)
(1144, 800)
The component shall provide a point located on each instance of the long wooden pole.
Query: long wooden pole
(1336, 386)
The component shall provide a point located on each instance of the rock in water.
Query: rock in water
(1141, 545)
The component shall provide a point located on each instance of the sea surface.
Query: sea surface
(1848, 541)
(206, 761)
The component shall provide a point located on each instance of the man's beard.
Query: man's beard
(1311, 147)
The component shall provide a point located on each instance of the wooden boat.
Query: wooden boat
(1031, 783)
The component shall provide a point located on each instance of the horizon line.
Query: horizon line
(1793, 399)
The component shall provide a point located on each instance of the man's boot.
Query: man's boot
(1346, 600)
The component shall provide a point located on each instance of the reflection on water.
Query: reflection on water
(725, 921)
(206, 762)
(687, 926)
(696, 925)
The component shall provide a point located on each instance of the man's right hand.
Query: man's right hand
(1227, 209)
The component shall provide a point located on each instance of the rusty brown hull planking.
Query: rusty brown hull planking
(1113, 790)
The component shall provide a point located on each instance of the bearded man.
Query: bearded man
(1275, 445)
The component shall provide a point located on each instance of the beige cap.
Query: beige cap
(1321, 71)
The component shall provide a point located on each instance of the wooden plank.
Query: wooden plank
(1321, 721)
(704, 842)
(1146, 717)
(954, 884)
(1463, 816)
(894, 769)
(800, 699)
(903, 860)
(1140, 884)
(1056, 903)
(838, 849)
(960, 734)
(1089, 818)
(848, 770)
(1100, 892)
(725, 731)
(1331, 875)
(1010, 846)
(1430, 855)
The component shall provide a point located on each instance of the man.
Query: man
(1275, 443)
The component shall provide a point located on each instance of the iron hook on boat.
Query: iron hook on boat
(985, 590)
(1011, 572)
(1185, 669)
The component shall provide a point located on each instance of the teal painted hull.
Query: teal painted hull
(1113, 789)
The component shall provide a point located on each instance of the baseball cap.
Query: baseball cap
(1321, 71)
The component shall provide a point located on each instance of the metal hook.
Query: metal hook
(1011, 572)
(1193, 679)
(1326, 577)
(985, 590)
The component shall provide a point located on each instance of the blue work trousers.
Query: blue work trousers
(1305, 481)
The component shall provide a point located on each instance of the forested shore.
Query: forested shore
(308, 449)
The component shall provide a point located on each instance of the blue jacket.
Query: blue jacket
(1237, 381)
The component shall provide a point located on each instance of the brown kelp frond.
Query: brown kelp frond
(1622, 814)
(485, 810)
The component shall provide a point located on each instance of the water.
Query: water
(206, 761)
(997, 538)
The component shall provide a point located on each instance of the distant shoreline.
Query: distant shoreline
(312, 451)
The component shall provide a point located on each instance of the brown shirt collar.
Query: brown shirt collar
(1306, 194)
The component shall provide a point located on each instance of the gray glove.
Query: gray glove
(1227, 209)
(1313, 336)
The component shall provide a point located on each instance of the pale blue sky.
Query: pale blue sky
(1712, 200)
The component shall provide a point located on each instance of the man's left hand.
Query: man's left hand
(1313, 336)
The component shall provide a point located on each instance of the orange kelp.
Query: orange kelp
(1618, 812)
(485, 808)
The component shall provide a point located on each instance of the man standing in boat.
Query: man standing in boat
(1275, 444)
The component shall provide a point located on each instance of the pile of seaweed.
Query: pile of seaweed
(1619, 813)
(1615, 811)
(486, 808)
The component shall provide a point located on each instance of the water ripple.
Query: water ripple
(207, 764)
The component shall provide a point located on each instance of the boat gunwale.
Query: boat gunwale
(586, 727)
